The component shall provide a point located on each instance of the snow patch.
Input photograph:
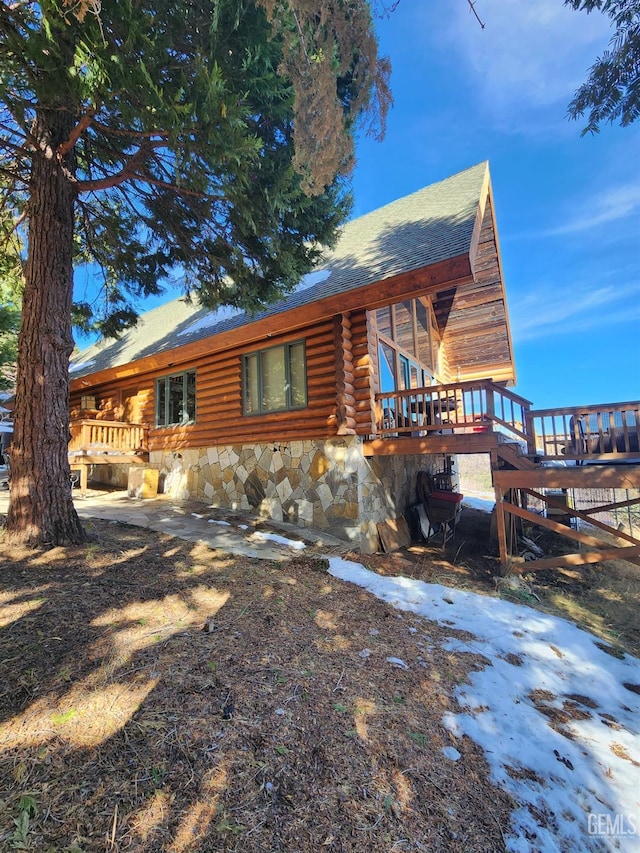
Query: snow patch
(557, 717)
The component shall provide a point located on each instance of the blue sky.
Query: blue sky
(567, 207)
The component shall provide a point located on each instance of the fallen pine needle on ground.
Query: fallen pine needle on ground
(157, 695)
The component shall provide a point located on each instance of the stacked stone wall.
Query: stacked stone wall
(327, 484)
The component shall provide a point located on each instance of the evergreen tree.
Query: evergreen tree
(206, 139)
(612, 89)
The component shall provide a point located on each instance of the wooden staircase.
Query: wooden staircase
(509, 456)
(518, 475)
(533, 453)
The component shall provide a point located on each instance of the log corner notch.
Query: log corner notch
(345, 388)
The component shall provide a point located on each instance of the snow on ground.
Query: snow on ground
(557, 716)
(483, 503)
(550, 706)
(281, 540)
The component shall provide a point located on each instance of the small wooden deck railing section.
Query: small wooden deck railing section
(605, 432)
(461, 407)
(95, 437)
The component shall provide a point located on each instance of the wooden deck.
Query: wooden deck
(96, 442)
(531, 451)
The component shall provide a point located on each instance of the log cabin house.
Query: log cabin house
(392, 357)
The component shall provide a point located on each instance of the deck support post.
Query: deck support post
(501, 529)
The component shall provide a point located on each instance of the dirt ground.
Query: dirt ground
(159, 696)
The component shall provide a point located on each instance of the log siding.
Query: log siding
(336, 382)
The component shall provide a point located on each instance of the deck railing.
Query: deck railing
(93, 437)
(607, 432)
(460, 407)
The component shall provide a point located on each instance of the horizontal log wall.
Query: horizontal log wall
(219, 416)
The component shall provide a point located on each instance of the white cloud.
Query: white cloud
(528, 56)
(552, 309)
(611, 205)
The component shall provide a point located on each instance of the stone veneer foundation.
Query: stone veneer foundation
(327, 484)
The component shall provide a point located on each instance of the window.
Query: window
(386, 358)
(176, 399)
(88, 402)
(408, 345)
(275, 379)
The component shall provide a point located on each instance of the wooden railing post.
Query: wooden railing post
(530, 430)
(501, 530)
(490, 408)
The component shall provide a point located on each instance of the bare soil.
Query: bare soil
(156, 695)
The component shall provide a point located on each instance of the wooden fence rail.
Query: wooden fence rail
(461, 407)
(607, 432)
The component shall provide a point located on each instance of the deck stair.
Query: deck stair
(597, 447)
(534, 454)
(510, 455)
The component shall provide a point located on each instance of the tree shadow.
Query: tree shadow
(375, 248)
(160, 696)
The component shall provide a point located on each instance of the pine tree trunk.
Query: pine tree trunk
(41, 510)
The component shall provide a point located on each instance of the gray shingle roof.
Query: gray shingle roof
(431, 225)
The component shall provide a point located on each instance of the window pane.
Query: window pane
(177, 412)
(383, 319)
(251, 384)
(386, 357)
(297, 375)
(191, 396)
(404, 326)
(403, 378)
(273, 379)
(424, 335)
(176, 399)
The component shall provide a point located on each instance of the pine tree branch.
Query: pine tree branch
(128, 172)
(14, 227)
(11, 174)
(76, 133)
(134, 134)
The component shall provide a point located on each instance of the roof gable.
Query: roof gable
(429, 226)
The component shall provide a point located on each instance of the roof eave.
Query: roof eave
(452, 272)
